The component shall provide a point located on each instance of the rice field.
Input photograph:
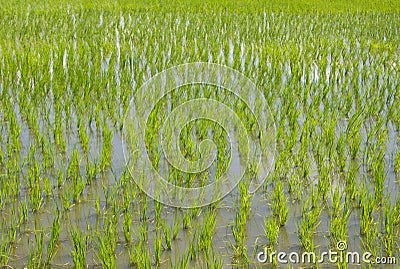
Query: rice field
(71, 157)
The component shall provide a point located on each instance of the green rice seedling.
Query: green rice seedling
(23, 211)
(370, 240)
(324, 181)
(206, 234)
(36, 253)
(97, 205)
(59, 178)
(54, 236)
(391, 213)
(157, 241)
(157, 210)
(183, 262)
(140, 256)
(5, 250)
(143, 231)
(245, 197)
(271, 231)
(73, 170)
(378, 173)
(187, 219)
(78, 187)
(127, 222)
(212, 261)
(47, 186)
(239, 234)
(91, 171)
(339, 215)
(350, 178)
(295, 187)
(36, 198)
(79, 247)
(83, 137)
(67, 198)
(310, 220)
(367, 222)
(279, 204)
(167, 236)
(397, 162)
(176, 225)
(144, 205)
(193, 247)
(12, 231)
(105, 159)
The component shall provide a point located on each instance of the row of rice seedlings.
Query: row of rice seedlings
(339, 216)
(310, 220)
(54, 237)
(79, 249)
(239, 232)
(36, 259)
(279, 204)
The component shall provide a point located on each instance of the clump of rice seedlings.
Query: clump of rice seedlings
(5, 250)
(245, 198)
(73, 169)
(240, 236)
(23, 211)
(187, 219)
(83, 137)
(167, 236)
(193, 246)
(339, 215)
(79, 247)
(36, 198)
(47, 186)
(105, 158)
(391, 214)
(78, 188)
(36, 253)
(176, 225)
(144, 203)
(295, 187)
(59, 178)
(157, 242)
(54, 236)
(310, 220)
(350, 178)
(271, 231)
(212, 261)
(397, 162)
(324, 181)
(367, 205)
(206, 234)
(91, 171)
(97, 204)
(12, 231)
(378, 174)
(183, 262)
(140, 256)
(127, 222)
(279, 204)
(157, 210)
(143, 231)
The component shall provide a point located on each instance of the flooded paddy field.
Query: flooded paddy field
(80, 138)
